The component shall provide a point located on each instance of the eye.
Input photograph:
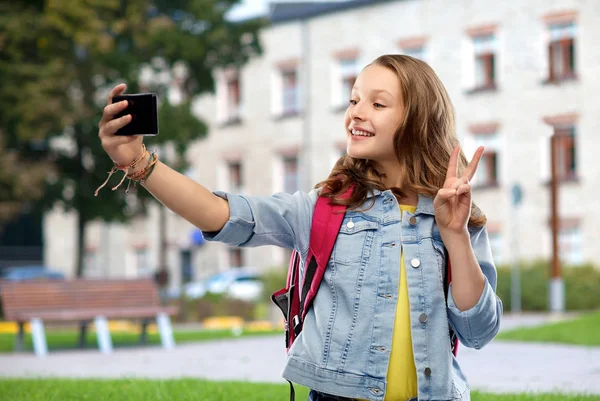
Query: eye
(378, 105)
(353, 102)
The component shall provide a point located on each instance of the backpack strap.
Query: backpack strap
(326, 222)
(293, 299)
(447, 281)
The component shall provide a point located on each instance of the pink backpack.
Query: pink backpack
(294, 300)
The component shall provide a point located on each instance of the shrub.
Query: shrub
(580, 283)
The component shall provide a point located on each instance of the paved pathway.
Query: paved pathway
(499, 367)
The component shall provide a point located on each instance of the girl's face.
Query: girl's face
(374, 114)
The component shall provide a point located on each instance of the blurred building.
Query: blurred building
(517, 72)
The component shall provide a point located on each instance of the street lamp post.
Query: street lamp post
(515, 276)
(557, 289)
(306, 181)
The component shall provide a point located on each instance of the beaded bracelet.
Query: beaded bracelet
(142, 175)
(125, 168)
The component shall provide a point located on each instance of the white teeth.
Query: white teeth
(361, 133)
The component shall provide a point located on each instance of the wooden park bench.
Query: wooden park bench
(84, 301)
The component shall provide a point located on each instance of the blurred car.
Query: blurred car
(246, 288)
(25, 273)
(239, 284)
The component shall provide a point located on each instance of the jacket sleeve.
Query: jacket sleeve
(477, 326)
(282, 219)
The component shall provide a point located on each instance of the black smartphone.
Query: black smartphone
(144, 112)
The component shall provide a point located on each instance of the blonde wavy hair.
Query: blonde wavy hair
(423, 142)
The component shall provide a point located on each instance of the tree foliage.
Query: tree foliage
(59, 59)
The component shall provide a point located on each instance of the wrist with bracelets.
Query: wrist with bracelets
(140, 176)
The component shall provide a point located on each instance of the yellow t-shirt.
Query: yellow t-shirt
(402, 372)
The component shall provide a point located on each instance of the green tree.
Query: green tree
(59, 58)
(20, 181)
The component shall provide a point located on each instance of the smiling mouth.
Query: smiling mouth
(357, 132)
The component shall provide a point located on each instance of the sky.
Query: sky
(253, 8)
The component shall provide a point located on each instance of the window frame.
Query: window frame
(285, 162)
(235, 175)
(295, 110)
(566, 154)
(235, 257)
(487, 57)
(489, 134)
(233, 108)
(561, 51)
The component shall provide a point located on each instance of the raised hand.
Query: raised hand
(452, 204)
(121, 149)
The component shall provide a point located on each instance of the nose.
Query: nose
(358, 112)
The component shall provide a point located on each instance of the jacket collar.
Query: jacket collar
(424, 204)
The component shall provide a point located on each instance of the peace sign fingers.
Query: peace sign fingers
(452, 172)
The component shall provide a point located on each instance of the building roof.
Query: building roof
(286, 12)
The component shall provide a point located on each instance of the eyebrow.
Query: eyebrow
(376, 91)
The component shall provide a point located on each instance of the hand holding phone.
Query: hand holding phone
(144, 114)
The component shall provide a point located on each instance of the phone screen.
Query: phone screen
(143, 110)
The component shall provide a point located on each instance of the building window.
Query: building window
(142, 263)
(348, 74)
(488, 172)
(570, 242)
(414, 47)
(91, 265)
(229, 100)
(290, 174)
(235, 176)
(233, 98)
(416, 52)
(235, 257)
(485, 76)
(187, 268)
(290, 98)
(344, 71)
(563, 135)
(561, 52)
(489, 169)
(496, 245)
(566, 154)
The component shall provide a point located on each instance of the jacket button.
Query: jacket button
(412, 221)
(415, 263)
(427, 372)
(423, 318)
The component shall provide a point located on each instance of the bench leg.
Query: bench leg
(103, 334)
(166, 331)
(82, 333)
(144, 332)
(40, 347)
(20, 340)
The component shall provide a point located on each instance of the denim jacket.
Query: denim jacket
(344, 348)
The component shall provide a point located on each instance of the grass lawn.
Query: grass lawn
(192, 390)
(69, 339)
(579, 331)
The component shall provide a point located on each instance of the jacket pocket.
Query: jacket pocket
(355, 236)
